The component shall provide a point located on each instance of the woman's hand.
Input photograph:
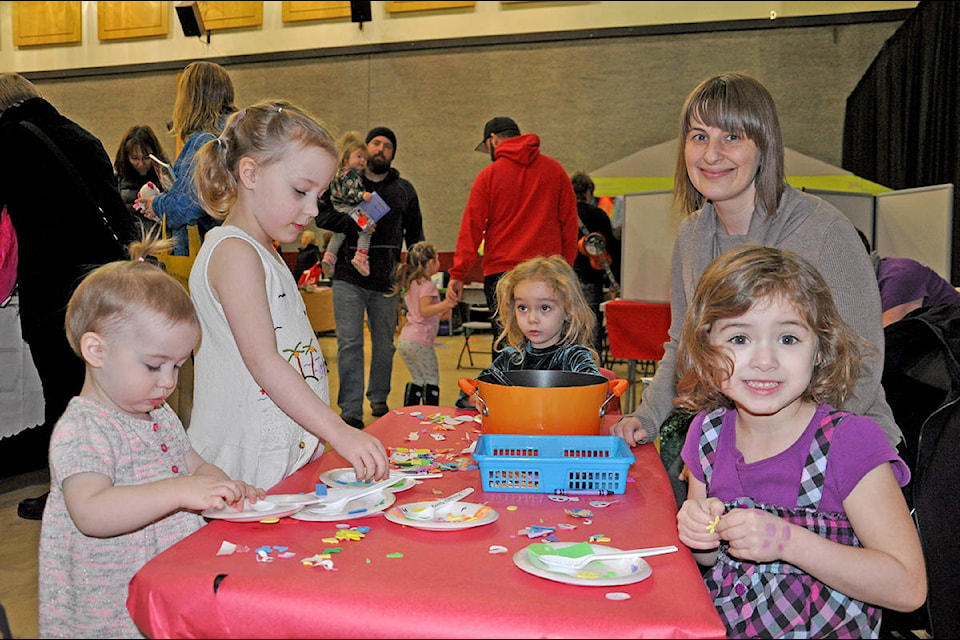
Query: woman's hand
(628, 427)
(145, 204)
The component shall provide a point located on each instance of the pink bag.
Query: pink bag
(8, 256)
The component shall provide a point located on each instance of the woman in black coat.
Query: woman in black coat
(42, 150)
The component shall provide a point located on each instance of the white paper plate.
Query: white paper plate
(252, 515)
(602, 573)
(443, 523)
(347, 477)
(360, 508)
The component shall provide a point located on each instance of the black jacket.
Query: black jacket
(47, 205)
(921, 378)
(596, 220)
(402, 224)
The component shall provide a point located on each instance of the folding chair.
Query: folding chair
(636, 332)
(470, 327)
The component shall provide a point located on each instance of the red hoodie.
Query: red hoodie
(522, 205)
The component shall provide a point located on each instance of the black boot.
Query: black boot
(412, 395)
(431, 395)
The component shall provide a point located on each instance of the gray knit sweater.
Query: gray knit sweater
(813, 228)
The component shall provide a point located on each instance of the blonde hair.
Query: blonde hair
(729, 287)
(204, 97)
(14, 89)
(556, 273)
(112, 294)
(262, 131)
(414, 268)
(308, 237)
(740, 104)
(347, 144)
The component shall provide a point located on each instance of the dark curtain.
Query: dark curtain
(902, 121)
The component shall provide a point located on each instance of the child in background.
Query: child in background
(346, 192)
(125, 483)
(308, 254)
(424, 307)
(794, 506)
(547, 323)
(261, 402)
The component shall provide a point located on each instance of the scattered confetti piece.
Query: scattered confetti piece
(319, 560)
(563, 498)
(566, 526)
(618, 595)
(512, 507)
(496, 548)
(438, 436)
(413, 435)
(712, 527)
(579, 513)
(226, 548)
(395, 555)
(599, 537)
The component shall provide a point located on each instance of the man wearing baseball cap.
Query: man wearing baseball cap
(522, 205)
(355, 295)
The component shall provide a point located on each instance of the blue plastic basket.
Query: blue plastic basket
(553, 464)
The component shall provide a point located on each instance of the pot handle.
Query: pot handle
(615, 388)
(471, 388)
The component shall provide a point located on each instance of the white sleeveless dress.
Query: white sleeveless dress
(234, 424)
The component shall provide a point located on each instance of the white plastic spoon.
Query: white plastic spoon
(429, 511)
(336, 506)
(566, 562)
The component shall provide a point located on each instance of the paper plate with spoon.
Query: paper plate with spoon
(582, 563)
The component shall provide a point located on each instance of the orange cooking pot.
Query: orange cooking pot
(562, 403)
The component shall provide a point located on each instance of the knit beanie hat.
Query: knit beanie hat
(386, 133)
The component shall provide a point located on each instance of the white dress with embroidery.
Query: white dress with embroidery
(234, 424)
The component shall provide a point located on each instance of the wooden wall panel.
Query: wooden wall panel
(46, 23)
(400, 7)
(298, 11)
(124, 20)
(230, 15)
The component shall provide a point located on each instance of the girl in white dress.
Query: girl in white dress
(261, 399)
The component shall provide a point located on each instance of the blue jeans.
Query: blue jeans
(350, 303)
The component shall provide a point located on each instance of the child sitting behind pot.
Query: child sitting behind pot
(547, 323)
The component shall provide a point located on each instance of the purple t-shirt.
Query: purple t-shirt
(859, 445)
(903, 280)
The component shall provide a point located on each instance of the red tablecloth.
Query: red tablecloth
(446, 584)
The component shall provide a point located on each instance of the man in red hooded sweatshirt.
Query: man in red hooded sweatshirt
(522, 205)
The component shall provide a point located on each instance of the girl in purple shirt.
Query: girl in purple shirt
(795, 507)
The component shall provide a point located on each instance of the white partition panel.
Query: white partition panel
(917, 223)
(860, 209)
(649, 228)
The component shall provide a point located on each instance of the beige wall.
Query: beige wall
(592, 100)
(484, 19)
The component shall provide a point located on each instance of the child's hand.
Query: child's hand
(363, 451)
(202, 491)
(697, 523)
(366, 196)
(755, 535)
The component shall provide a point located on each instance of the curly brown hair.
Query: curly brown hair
(729, 287)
